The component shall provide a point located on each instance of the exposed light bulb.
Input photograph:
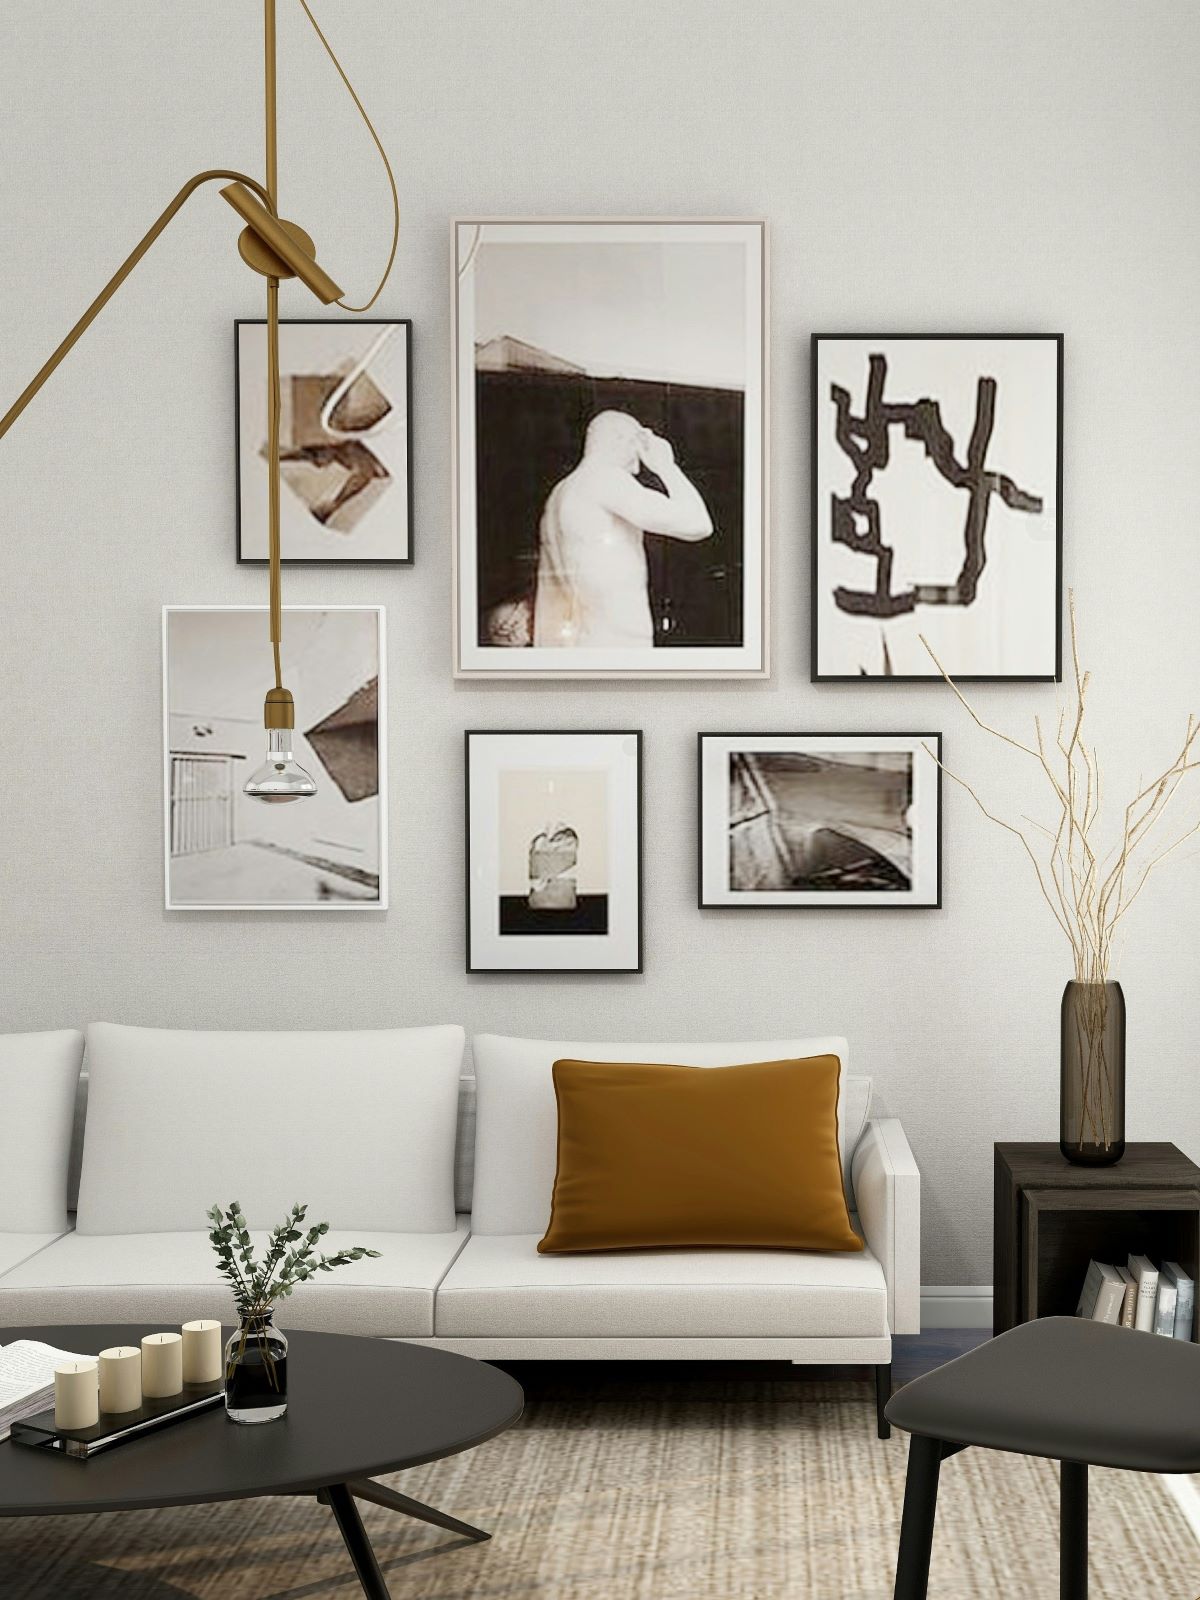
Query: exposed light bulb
(280, 778)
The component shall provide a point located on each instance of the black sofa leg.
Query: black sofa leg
(916, 1526)
(883, 1393)
(1073, 1531)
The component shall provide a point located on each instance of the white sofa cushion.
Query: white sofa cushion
(39, 1073)
(516, 1128)
(18, 1247)
(169, 1278)
(501, 1287)
(360, 1126)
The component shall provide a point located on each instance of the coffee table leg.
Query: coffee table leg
(379, 1495)
(345, 1514)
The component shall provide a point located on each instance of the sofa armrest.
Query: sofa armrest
(887, 1196)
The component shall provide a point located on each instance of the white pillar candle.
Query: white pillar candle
(76, 1395)
(120, 1378)
(203, 1358)
(162, 1365)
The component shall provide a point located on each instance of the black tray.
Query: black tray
(116, 1427)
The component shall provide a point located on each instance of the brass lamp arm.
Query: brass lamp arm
(118, 278)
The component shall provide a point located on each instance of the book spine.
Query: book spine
(1129, 1308)
(1185, 1307)
(1147, 1295)
(1164, 1308)
(1109, 1301)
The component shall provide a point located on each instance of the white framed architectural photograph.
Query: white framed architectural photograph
(937, 506)
(345, 441)
(610, 443)
(820, 820)
(554, 851)
(225, 850)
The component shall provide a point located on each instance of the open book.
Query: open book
(27, 1379)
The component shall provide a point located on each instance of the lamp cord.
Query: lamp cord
(383, 155)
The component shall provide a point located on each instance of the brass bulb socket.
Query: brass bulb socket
(279, 710)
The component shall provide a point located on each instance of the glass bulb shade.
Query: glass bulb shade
(279, 779)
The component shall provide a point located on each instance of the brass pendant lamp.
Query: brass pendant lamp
(276, 249)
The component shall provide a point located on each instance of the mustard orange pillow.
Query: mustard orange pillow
(741, 1157)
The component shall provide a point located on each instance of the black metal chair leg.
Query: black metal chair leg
(1073, 1531)
(916, 1526)
(380, 1495)
(345, 1513)
(883, 1393)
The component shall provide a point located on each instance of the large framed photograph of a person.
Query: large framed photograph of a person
(610, 448)
(554, 851)
(937, 507)
(226, 851)
(820, 820)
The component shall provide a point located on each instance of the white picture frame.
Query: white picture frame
(553, 851)
(222, 850)
(820, 821)
(663, 321)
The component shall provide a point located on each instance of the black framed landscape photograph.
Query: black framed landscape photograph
(345, 441)
(820, 820)
(610, 442)
(937, 506)
(554, 851)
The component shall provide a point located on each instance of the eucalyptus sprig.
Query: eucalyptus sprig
(291, 1257)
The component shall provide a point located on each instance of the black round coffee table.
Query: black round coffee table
(356, 1408)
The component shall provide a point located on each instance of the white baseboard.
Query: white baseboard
(956, 1305)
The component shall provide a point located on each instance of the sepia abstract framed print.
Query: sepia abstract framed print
(610, 448)
(554, 851)
(937, 506)
(345, 441)
(820, 820)
(224, 851)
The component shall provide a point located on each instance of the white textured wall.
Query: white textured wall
(930, 165)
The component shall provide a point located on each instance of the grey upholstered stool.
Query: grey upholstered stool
(1083, 1393)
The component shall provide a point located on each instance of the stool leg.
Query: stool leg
(916, 1525)
(1073, 1535)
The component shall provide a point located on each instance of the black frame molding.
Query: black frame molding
(325, 561)
(554, 733)
(833, 904)
(815, 408)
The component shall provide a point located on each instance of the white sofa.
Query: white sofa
(447, 1176)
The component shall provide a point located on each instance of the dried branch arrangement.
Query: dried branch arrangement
(1088, 889)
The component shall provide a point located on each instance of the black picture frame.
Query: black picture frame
(326, 561)
(533, 733)
(833, 902)
(816, 413)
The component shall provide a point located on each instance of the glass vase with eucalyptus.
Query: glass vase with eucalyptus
(256, 1356)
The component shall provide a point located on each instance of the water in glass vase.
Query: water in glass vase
(256, 1372)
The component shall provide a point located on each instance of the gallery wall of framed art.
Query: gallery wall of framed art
(554, 851)
(224, 851)
(937, 506)
(345, 440)
(610, 448)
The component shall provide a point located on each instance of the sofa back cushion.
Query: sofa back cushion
(39, 1073)
(360, 1126)
(516, 1129)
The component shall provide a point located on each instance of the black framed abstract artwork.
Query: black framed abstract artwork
(820, 820)
(345, 441)
(554, 851)
(610, 440)
(937, 506)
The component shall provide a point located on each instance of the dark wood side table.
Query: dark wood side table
(1051, 1218)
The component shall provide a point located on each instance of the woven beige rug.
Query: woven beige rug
(721, 1490)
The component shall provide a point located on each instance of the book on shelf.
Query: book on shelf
(1164, 1304)
(27, 1379)
(1103, 1296)
(1146, 1274)
(1185, 1299)
(1129, 1305)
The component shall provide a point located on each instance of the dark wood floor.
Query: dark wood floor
(912, 1354)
